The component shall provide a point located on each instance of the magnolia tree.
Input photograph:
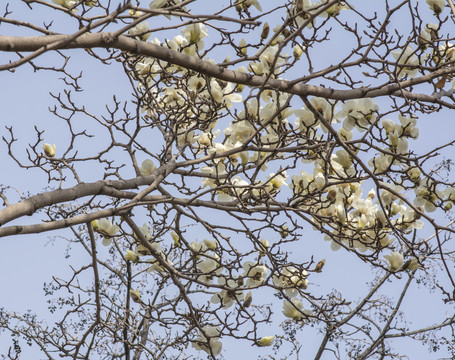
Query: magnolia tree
(253, 128)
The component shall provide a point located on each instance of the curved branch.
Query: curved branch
(111, 40)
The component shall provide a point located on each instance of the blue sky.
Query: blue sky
(31, 260)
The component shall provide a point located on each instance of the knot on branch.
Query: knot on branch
(108, 38)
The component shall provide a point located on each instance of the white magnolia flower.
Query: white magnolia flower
(195, 32)
(254, 273)
(436, 5)
(131, 256)
(291, 279)
(147, 167)
(211, 244)
(158, 266)
(247, 3)
(142, 29)
(227, 297)
(390, 126)
(145, 231)
(301, 183)
(298, 50)
(278, 180)
(266, 341)
(157, 4)
(307, 119)
(214, 344)
(66, 3)
(396, 260)
(108, 230)
(303, 9)
(335, 10)
(210, 267)
(427, 196)
(294, 309)
(406, 57)
(135, 296)
(412, 264)
(176, 238)
(358, 113)
(248, 299)
(408, 126)
(49, 149)
(381, 162)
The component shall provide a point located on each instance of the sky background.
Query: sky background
(29, 261)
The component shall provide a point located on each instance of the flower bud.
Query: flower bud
(94, 224)
(135, 296)
(265, 31)
(266, 341)
(131, 256)
(298, 51)
(176, 238)
(49, 150)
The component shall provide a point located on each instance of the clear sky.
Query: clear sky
(29, 261)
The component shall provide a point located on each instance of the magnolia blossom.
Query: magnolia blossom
(141, 28)
(387, 197)
(263, 246)
(131, 256)
(307, 119)
(157, 4)
(243, 46)
(445, 53)
(427, 196)
(239, 131)
(335, 10)
(108, 230)
(227, 297)
(396, 260)
(341, 162)
(156, 265)
(210, 267)
(219, 169)
(390, 126)
(414, 174)
(254, 272)
(66, 3)
(408, 126)
(358, 113)
(266, 341)
(145, 231)
(223, 95)
(247, 3)
(277, 180)
(294, 309)
(303, 8)
(291, 279)
(406, 57)
(436, 5)
(211, 244)
(135, 296)
(203, 343)
(301, 183)
(248, 299)
(176, 238)
(398, 143)
(195, 32)
(298, 50)
(49, 149)
(147, 167)
(381, 162)
(412, 264)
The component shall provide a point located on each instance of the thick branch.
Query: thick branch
(124, 43)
